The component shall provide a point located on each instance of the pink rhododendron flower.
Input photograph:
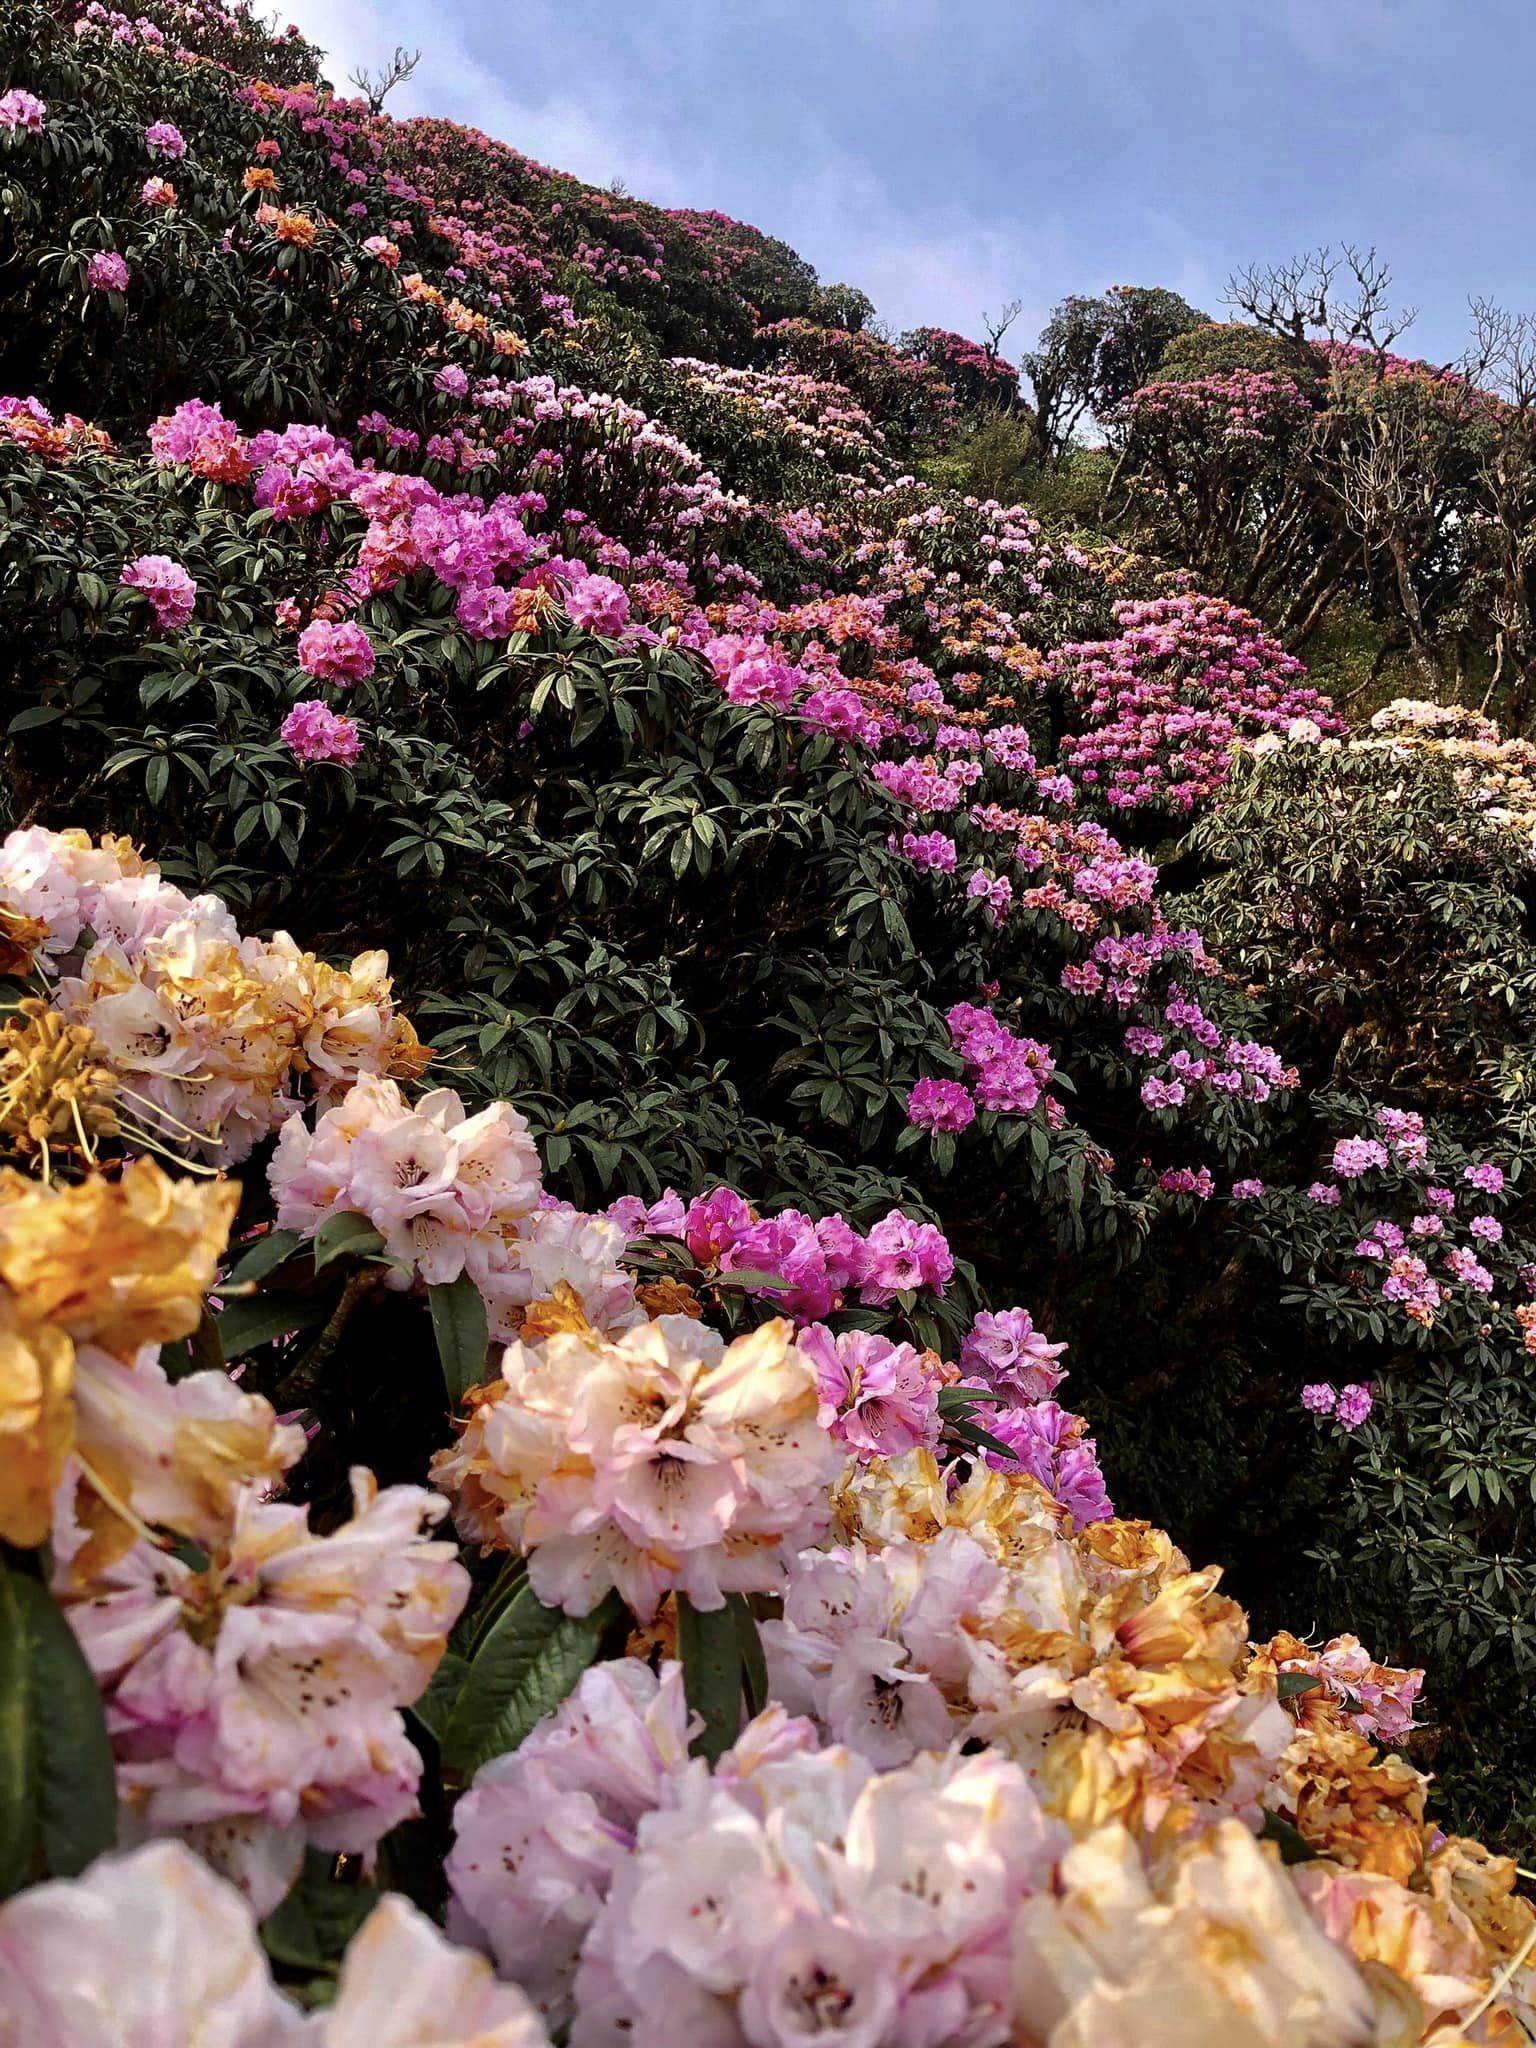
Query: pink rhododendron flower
(1247, 1190)
(171, 591)
(598, 605)
(905, 1256)
(818, 1886)
(940, 1106)
(1053, 1447)
(541, 1833)
(158, 192)
(316, 733)
(200, 436)
(1355, 1156)
(663, 1458)
(448, 1192)
(1318, 1398)
(1007, 1352)
(23, 111)
(879, 1398)
(256, 1701)
(336, 653)
(152, 1947)
(107, 272)
(163, 138)
(1379, 1698)
(1354, 1405)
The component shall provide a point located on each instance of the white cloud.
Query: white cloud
(940, 266)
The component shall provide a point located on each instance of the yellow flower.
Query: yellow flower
(37, 1424)
(1364, 1809)
(114, 1265)
(55, 1093)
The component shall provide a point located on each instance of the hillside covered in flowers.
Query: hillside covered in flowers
(767, 1108)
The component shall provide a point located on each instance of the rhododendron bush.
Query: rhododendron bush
(649, 1222)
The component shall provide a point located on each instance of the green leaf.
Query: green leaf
(1290, 1683)
(435, 1707)
(1292, 1844)
(462, 1332)
(347, 1232)
(749, 1276)
(709, 1645)
(959, 1400)
(311, 1928)
(972, 1433)
(754, 1665)
(246, 1325)
(266, 1255)
(58, 1791)
(35, 715)
(201, 1352)
(527, 1663)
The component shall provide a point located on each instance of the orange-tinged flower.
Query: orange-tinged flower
(1350, 1802)
(115, 1265)
(37, 1425)
(260, 178)
(295, 228)
(20, 937)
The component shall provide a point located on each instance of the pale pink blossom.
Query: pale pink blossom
(256, 1701)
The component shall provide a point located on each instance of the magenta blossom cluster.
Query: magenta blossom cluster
(316, 733)
(336, 653)
(1054, 1447)
(940, 1106)
(1009, 1074)
(817, 1264)
(1164, 702)
(1349, 1406)
(597, 604)
(1004, 1352)
(171, 592)
(164, 138)
(107, 272)
(22, 111)
(879, 1398)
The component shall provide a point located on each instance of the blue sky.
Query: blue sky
(946, 156)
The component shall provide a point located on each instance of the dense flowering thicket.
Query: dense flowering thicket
(577, 937)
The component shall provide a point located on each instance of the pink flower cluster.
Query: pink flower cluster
(940, 1106)
(1053, 1446)
(336, 653)
(301, 471)
(255, 1703)
(1166, 699)
(1378, 1698)
(171, 592)
(199, 436)
(1009, 1074)
(798, 1884)
(316, 733)
(22, 111)
(660, 1459)
(1005, 1352)
(164, 138)
(597, 604)
(542, 1832)
(107, 272)
(448, 1193)
(879, 1398)
(1349, 1406)
(821, 1263)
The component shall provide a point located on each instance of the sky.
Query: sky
(946, 156)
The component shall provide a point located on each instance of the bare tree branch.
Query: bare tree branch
(375, 87)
